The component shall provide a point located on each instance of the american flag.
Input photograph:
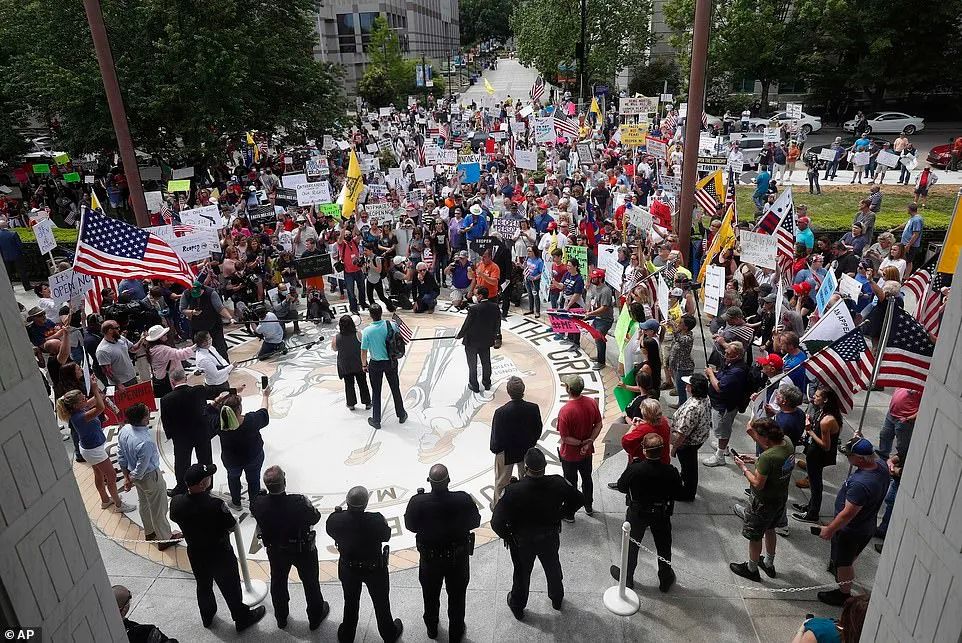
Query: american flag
(112, 248)
(668, 273)
(780, 221)
(907, 354)
(744, 333)
(537, 90)
(566, 127)
(166, 213)
(180, 229)
(844, 366)
(402, 328)
(709, 192)
(926, 285)
(93, 298)
(669, 122)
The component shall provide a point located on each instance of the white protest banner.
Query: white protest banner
(155, 201)
(886, 158)
(165, 232)
(544, 130)
(663, 293)
(671, 183)
(182, 173)
(449, 157)
(758, 249)
(826, 290)
(425, 173)
(657, 148)
(371, 148)
(507, 227)
(585, 155)
(291, 181)
(204, 217)
(343, 146)
(714, 288)
(432, 154)
(909, 162)
(385, 145)
(861, 158)
(190, 248)
(849, 287)
(44, 233)
(313, 193)
(608, 261)
(526, 159)
(683, 110)
(377, 190)
(382, 212)
(638, 105)
(385, 112)
(666, 98)
(89, 179)
(833, 323)
(328, 143)
(639, 217)
(771, 136)
(794, 110)
(527, 111)
(827, 154)
(67, 284)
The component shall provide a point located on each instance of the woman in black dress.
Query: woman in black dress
(347, 343)
(241, 444)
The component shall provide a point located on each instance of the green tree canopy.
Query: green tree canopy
(192, 74)
(484, 20)
(546, 32)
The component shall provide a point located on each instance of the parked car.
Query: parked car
(847, 142)
(751, 145)
(807, 123)
(940, 155)
(889, 123)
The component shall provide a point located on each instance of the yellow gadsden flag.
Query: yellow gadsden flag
(353, 186)
(595, 109)
(488, 87)
(723, 239)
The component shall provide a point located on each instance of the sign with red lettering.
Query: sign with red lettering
(123, 400)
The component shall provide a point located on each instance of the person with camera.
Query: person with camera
(442, 521)
(375, 268)
(379, 363)
(651, 486)
(426, 289)
(286, 526)
(358, 535)
(271, 332)
(285, 306)
(347, 252)
(204, 310)
(114, 355)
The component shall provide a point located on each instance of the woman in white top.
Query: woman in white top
(895, 258)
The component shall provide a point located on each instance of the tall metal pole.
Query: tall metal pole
(696, 97)
(582, 51)
(115, 101)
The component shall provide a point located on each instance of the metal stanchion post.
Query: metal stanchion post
(253, 590)
(618, 598)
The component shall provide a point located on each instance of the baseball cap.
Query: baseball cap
(803, 288)
(804, 220)
(649, 324)
(552, 226)
(534, 459)
(771, 360)
(857, 446)
(597, 273)
(575, 384)
(197, 472)
(676, 292)
(769, 298)
(463, 254)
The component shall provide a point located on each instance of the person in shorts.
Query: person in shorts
(459, 272)
(769, 493)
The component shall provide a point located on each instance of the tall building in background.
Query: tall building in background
(428, 28)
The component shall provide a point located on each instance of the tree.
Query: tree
(546, 32)
(377, 87)
(483, 20)
(193, 75)
(650, 78)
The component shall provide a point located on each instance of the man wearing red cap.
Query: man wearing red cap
(600, 305)
(804, 233)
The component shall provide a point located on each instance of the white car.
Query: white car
(807, 123)
(889, 123)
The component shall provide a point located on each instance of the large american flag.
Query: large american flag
(566, 127)
(537, 90)
(907, 354)
(845, 366)
(111, 248)
(926, 285)
(402, 328)
(780, 221)
(93, 297)
(709, 193)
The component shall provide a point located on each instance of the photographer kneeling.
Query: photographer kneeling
(285, 307)
(270, 330)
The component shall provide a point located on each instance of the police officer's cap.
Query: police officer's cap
(197, 472)
(534, 459)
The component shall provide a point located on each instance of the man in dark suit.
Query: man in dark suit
(183, 412)
(515, 428)
(478, 332)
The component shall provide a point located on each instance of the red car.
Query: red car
(939, 156)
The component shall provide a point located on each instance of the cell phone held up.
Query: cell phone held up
(264, 382)
(816, 530)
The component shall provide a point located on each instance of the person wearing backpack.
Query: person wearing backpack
(381, 347)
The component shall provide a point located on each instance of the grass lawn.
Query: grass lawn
(836, 206)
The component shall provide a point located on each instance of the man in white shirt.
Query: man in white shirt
(736, 161)
(272, 332)
(213, 365)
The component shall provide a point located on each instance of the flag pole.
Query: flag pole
(883, 340)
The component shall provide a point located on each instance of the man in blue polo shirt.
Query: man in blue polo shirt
(728, 392)
(378, 364)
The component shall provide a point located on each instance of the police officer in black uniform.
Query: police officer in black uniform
(358, 535)
(651, 486)
(443, 521)
(528, 518)
(207, 524)
(286, 525)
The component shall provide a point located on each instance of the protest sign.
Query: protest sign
(313, 193)
(41, 168)
(381, 212)
(150, 173)
(508, 228)
(182, 173)
(886, 158)
(371, 148)
(44, 233)
(481, 244)
(526, 159)
(909, 162)
(179, 186)
(663, 294)
(315, 168)
(194, 246)
(67, 284)
(608, 261)
(291, 181)
(581, 254)
(469, 172)
(861, 158)
(826, 154)
(286, 197)
(432, 154)
(585, 155)
(89, 179)
(203, 217)
(527, 111)
(638, 105)
(714, 288)
(330, 210)
(425, 173)
(794, 110)
(385, 145)
(657, 147)
(561, 321)
(633, 135)
(62, 159)
(826, 290)
(155, 201)
(72, 177)
(165, 232)
(849, 287)
(639, 217)
(711, 163)
(377, 191)
(544, 130)
(771, 136)
(314, 266)
(449, 157)
(831, 325)
(262, 214)
(758, 249)
(385, 112)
